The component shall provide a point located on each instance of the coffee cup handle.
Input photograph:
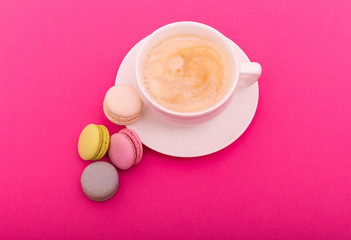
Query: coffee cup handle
(249, 73)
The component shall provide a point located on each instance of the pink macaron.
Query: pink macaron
(126, 149)
(122, 104)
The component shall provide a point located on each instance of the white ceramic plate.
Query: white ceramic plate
(194, 141)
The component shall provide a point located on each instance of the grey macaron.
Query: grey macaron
(99, 181)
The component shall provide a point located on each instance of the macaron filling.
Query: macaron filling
(104, 142)
(119, 119)
(137, 146)
(134, 148)
(100, 143)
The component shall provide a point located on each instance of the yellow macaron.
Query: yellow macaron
(93, 142)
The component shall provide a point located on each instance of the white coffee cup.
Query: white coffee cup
(251, 71)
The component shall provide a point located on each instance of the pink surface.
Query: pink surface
(287, 177)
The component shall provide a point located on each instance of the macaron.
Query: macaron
(93, 142)
(126, 149)
(99, 181)
(122, 104)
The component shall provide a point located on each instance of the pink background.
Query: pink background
(287, 177)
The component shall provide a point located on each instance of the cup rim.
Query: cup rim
(145, 47)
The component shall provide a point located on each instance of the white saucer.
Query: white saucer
(200, 140)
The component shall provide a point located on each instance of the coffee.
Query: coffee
(187, 73)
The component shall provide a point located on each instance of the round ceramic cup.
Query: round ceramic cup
(244, 74)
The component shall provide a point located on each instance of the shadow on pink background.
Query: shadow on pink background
(287, 177)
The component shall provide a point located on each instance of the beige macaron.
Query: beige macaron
(122, 104)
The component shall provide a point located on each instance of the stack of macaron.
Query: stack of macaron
(122, 105)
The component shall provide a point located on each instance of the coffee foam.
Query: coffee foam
(187, 73)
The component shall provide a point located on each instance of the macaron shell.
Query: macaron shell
(136, 142)
(121, 152)
(89, 142)
(100, 181)
(122, 104)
